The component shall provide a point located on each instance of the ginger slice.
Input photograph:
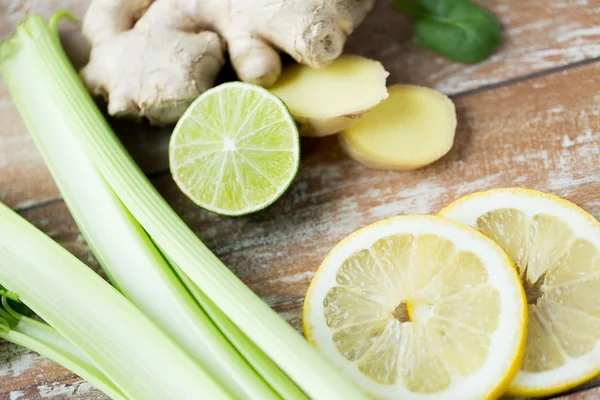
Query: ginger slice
(410, 129)
(328, 100)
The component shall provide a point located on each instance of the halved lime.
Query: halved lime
(235, 150)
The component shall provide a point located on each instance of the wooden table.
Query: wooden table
(528, 117)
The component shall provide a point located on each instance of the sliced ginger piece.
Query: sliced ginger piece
(410, 129)
(328, 100)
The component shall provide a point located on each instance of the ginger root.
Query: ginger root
(410, 129)
(330, 99)
(152, 58)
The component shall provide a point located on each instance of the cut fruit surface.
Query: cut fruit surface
(327, 100)
(556, 248)
(235, 150)
(418, 307)
(412, 128)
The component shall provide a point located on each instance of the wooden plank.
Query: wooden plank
(537, 38)
(25, 375)
(542, 134)
(590, 394)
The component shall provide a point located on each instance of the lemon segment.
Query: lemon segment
(419, 306)
(555, 246)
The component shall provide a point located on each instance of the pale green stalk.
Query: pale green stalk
(122, 247)
(317, 377)
(261, 363)
(45, 340)
(124, 344)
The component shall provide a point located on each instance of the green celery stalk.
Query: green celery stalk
(261, 363)
(318, 378)
(122, 247)
(124, 344)
(45, 340)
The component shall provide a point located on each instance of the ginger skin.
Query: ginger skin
(152, 58)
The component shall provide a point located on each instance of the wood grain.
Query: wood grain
(536, 38)
(542, 134)
(590, 394)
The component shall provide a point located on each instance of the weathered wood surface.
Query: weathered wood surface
(590, 394)
(539, 132)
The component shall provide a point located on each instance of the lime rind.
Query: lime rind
(235, 150)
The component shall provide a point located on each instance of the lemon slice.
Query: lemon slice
(418, 307)
(556, 248)
(235, 150)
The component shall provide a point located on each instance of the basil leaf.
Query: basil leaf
(457, 29)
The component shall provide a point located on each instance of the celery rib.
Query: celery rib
(124, 250)
(123, 343)
(261, 363)
(45, 340)
(313, 373)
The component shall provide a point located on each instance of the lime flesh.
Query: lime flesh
(235, 150)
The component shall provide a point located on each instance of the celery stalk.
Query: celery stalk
(124, 250)
(312, 372)
(261, 363)
(45, 340)
(124, 344)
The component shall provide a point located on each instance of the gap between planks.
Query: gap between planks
(525, 78)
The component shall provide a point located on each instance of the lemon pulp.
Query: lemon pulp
(409, 308)
(561, 275)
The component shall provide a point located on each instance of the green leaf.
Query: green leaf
(457, 29)
(12, 304)
(409, 6)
